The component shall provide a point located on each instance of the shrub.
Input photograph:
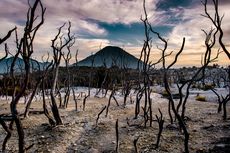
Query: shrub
(175, 95)
(200, 98)
(208, 86)
(164, 93)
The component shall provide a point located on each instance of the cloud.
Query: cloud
(191, 29)
(89, 46)
(109, 11)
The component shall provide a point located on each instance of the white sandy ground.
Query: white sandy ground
(80, 134)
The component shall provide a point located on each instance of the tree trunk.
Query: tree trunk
(26, 113)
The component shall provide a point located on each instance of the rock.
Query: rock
(221, 148)
(42, 136)
(172, 127)
(93, 150)
(74, 144)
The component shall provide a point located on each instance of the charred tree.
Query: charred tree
(57, 47)
(110, 97)
(67, 88)
(117, 137)
(84, 102)
(145, 68)
(98, 115)
(160, 122)
(138, 101)
(217, 22)
(38, 83)
(135, 145)
(25, 49)
(75, 98)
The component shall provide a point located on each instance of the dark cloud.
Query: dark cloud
(221, 2)
(169, 4)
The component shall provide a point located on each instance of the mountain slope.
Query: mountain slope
(110, 56)
(19, 65)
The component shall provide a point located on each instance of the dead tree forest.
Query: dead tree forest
(101, 109)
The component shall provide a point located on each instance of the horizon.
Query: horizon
(117, 23)
(177, 66)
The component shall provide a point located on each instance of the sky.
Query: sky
(99, 23)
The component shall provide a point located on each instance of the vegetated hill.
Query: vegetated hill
(19, 65)
(110, 56)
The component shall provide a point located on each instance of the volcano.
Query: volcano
(110, 56)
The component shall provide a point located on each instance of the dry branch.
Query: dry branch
(98, 115)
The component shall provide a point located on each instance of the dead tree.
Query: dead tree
(58, 93)
(84, 102)
(2, 40)
(222, 101)
(7, 36)
(210, 41)
(160, 122)
(135, 144)
(25, 49)
(44, 105)
(117, 137)
(8, 129)
(67, 59)
(90, 74)
(126, 83)
(127, 89)
(98, 115)
(207, 60)
(102, 85)
(225, 101)
(73, 80)
(145, 67)
(217, 22)
(43, 73)
(75, 98)
(145, 53)
(167, 88)
(197, 76)
(138, 101)
(110, 97)
(57, 47)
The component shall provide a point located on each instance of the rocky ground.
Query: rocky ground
(208, 132)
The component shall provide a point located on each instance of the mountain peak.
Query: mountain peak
(19, 64)
(110, 56)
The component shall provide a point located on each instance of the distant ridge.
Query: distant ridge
(110, 56)
(19, 65)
